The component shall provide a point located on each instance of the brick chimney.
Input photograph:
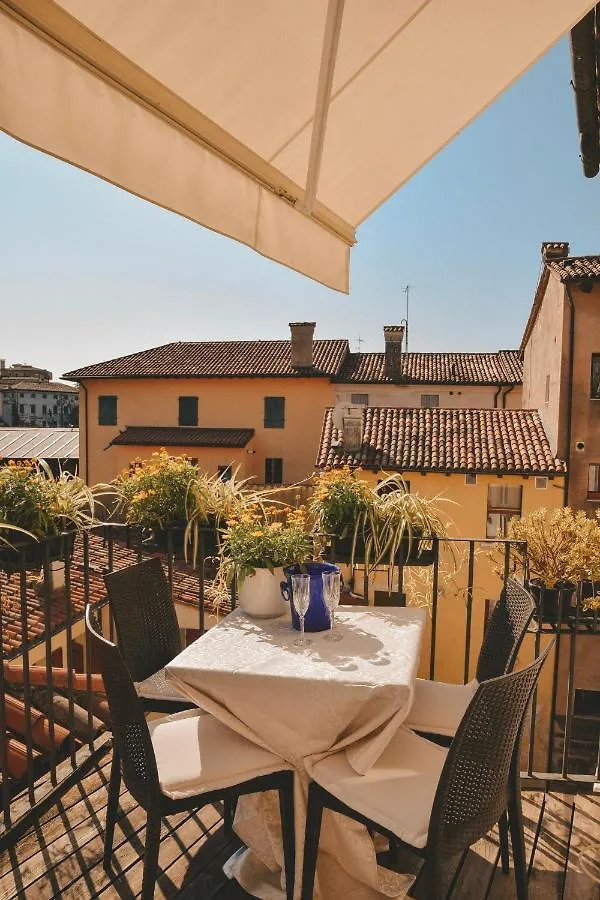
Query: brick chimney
(554, 250)
(302, 344)
(393, 336)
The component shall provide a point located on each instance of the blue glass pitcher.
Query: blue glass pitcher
(317, 617)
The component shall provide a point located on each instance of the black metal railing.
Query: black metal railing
(54, 717)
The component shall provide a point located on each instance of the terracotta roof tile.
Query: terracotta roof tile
(573, 268)
(503, 367)
(499, 441)
(158, 436)
(218, 359)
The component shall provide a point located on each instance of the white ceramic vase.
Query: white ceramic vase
(259, 595)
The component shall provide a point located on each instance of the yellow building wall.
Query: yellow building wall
(222, 403)
(451, 396)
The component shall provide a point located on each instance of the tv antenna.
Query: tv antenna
(406, 291)
(359, 342)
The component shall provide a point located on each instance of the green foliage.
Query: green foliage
(153, 493)
(263, 537)
(562, 545)
(33, 499)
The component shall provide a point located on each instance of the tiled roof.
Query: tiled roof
(158, 436)
(573, 268)
(39, 443)
(47, 387)
(503, 367)
(185, 590)
(218, 359)
(498, 441)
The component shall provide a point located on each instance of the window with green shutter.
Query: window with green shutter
(107, 410)
(274, 412)
(188, 410)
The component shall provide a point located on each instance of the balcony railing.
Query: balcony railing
(55, 719)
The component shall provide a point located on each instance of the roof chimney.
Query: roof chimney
(302, 344)
(554, 250)
(393, 336)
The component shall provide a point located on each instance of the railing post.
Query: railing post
(3, 745)
(434, 605)
(470, 579)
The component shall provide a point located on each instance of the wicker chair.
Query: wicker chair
(438, 707)
(181, 762)
(436, 801)
(147, 632)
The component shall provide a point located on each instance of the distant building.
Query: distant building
(29, 397)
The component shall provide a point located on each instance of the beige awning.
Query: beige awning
(281, 123)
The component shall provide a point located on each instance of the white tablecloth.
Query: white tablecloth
(303, 703)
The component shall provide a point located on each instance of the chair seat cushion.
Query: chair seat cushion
(439, 707)
(397, 792)
(158, 687)
(196, 753)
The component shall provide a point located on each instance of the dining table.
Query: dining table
(304, 702)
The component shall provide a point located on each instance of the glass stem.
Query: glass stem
(332, 617)
(302, 628)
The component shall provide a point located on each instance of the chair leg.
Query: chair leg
(288, 833)
(314, 816)
(430, 885)
(229, 804)
(114, 785)
(151, 854)
(503, 839)
(515, 821)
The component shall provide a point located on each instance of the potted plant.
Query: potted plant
(152, 494)
(557, 554)
(382, 525)
(256, 546)
(48, 509)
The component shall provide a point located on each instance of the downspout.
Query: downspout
(496, 395)
(505, 395)
(570, 391)
(87, 453)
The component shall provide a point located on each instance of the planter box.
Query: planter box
(160, 540)
(554, 605)
(419, 554)
(31, 554)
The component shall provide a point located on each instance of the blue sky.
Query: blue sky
(88, 272)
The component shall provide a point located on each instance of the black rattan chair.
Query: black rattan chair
(181, 762)
(147, 632)
(438, 708)
(438, 802)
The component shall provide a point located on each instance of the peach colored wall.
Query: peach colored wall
(585, 411)
(222, 403)
(546, 354)
(452, 397)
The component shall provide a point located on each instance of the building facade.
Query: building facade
(29, 397)
(561, 371)
(277, 390)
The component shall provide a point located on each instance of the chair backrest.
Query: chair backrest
(505, 631)
(129, 727)
(483, 761)
(145, 618)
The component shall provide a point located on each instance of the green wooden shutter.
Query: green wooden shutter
(188, 410)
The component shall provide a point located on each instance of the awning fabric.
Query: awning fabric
(282, 124)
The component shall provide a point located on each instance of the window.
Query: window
(430, 399)
(595, 380)
(55, 409)
(44, 410)
(21, 408)
(273, 470)
(43, 396)
(504, 503)
(359, 399)
(594, 481)
(274, 412)
(398, 484)
(32, 407)
(541, 482)
(107, 410)
(32, 396)
(547, 390)
(471, 480)
(21, 396)
(188, 410)
(225, 473)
